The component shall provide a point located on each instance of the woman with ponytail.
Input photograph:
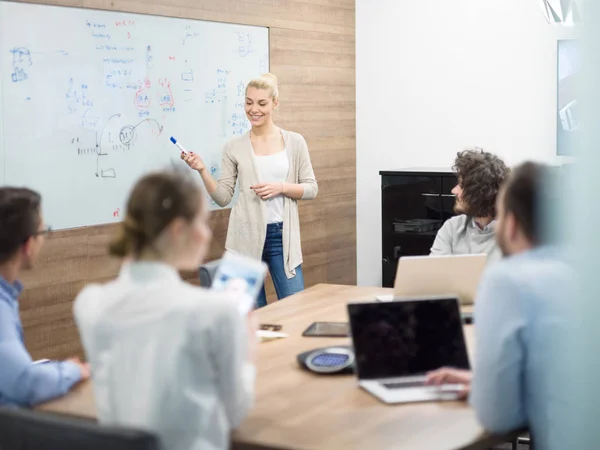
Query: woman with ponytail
(166, 356)
(274, 171)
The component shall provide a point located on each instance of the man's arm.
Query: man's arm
(23, 382)
(497, 389)
(443, 240)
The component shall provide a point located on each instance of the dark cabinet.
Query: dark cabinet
(414, 204)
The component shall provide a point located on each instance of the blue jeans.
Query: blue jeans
(273, 257)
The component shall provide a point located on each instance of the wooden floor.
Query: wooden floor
(312, 47)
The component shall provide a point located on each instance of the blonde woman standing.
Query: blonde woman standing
(274, 172)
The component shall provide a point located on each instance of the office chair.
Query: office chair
(22, 429)
(207, 272)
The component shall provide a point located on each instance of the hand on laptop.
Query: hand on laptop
(447, 375)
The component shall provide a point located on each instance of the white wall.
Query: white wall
(436, 76)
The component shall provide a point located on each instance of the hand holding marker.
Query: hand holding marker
(192, 160)
(174, 141)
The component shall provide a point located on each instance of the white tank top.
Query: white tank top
(273, 169)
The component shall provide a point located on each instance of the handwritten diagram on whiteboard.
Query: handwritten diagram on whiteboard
(89, 99)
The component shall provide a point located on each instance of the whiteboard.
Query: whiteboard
(89, 100)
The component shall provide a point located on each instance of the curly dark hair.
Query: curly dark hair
(480, 176)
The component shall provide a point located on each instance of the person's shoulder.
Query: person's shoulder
(99, 293)
(292, 134)
(531, 269)
(205, 302)
(498, 288)
(237, 142)
(456, 222)
(8, 321)
(90, 294)
(5, 309)
(543, 256)
(88, 302)
(296, 139)
(501, 269)
(96, 293)
(543, 264)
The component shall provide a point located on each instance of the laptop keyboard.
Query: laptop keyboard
(405, 384)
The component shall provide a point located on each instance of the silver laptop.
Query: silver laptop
(397, 343)
(440, 275)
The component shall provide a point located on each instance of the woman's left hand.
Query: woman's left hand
(268, 190)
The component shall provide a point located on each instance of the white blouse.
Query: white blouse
(166, 356)
(273, 169)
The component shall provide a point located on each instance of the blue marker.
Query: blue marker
(174, 141)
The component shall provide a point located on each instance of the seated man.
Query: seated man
(23, 382)
(480, 175)
(522, 310)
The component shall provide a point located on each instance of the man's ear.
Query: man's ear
(27, 246)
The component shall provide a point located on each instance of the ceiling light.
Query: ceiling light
(563, 12)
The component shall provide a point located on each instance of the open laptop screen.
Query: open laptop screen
(406, 338)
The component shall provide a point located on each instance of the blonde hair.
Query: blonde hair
(155, 201)
(266, 81)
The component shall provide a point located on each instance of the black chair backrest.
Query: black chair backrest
(22, 429)
(207, 272)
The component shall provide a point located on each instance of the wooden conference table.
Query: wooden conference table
(295, 409)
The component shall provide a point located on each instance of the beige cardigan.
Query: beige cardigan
(247, 227)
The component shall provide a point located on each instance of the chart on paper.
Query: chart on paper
(89, 100)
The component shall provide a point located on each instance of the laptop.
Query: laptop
(440, 275)
(397, 343)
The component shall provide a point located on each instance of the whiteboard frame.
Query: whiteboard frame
(116, 11)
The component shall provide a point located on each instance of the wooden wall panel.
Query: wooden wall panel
(313, 55)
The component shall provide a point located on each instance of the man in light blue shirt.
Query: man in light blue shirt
(22, 381)
(522, 315)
